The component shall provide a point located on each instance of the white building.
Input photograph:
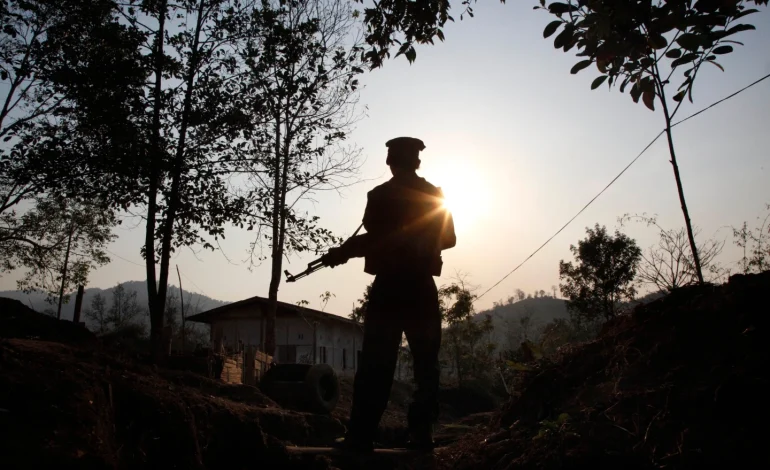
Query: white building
(302, 334)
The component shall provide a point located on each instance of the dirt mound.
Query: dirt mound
(67, 407)
(681, 383)
(19, 321)
(467, 399)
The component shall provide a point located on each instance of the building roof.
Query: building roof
(283, 309)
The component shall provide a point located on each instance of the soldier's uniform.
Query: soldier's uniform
(407, 228)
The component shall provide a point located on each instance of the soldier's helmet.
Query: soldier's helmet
(404, 152)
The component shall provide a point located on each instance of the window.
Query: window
(322, 354)
(344, 359)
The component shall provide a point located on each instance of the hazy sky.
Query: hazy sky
(522, 145)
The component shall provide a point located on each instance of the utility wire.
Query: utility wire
(194, 284)
(124, 259)
(615, 179)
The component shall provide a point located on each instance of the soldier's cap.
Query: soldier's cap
(405, 143)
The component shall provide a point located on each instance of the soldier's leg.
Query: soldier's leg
(423, 332)
(374, 377)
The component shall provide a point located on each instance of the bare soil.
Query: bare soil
(682, 383)
(68, 400)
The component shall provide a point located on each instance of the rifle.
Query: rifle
(316, 264)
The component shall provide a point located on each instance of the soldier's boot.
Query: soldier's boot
(421, 437)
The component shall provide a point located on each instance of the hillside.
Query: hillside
(507, 318)
(681, 383)
(68, 400)
(194, 302)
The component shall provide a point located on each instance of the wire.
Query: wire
(615, 179)
(124, 259)
(194, 284)
(574, 217)
(722, 100)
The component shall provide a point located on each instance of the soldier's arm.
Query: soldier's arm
(372, 214)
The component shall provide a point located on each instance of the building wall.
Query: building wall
(339, 341)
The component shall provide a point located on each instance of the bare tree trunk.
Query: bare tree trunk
(173, 198)
(78, 305)
(64, 271)
(680, 190)
(276, 252)
(156, 318)
(181, 303)
(690, 236)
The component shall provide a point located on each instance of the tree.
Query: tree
(185, 335)
(463, 338)
(302, 62)
(97, 313)
(124, 308)
(358, 313)
(325, 298)
(33, 231)
(161, 140)
(562, 331)
(630, 42)
(756, 249)
(57, 242)
(520, 295)
(417, 23)
(669, 264)
(602, 275)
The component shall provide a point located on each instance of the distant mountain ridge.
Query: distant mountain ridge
(194, 302)
(506, 318)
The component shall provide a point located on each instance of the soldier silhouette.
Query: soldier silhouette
(407, 227)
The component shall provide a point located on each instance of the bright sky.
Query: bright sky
(519, 146)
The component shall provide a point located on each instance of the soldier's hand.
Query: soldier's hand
(334, 257)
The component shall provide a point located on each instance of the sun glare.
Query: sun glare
(465, 194)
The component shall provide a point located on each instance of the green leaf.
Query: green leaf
(562, 39)
(745, 12)
(723, 50)
(623, 85)
(580, 66)
(674, 53)
(680, 96)
(740, 27)
(658, 42)
(689, 41)
(687, 58)
(598, 82)
(558, 8)
(648, 97)
(636, 92)
(720, 67)
(551, 28)
(517, 366)
(411, 54)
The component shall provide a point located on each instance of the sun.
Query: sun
(465, 194)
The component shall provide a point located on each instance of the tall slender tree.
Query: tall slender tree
(303, 60)
(646, 45)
